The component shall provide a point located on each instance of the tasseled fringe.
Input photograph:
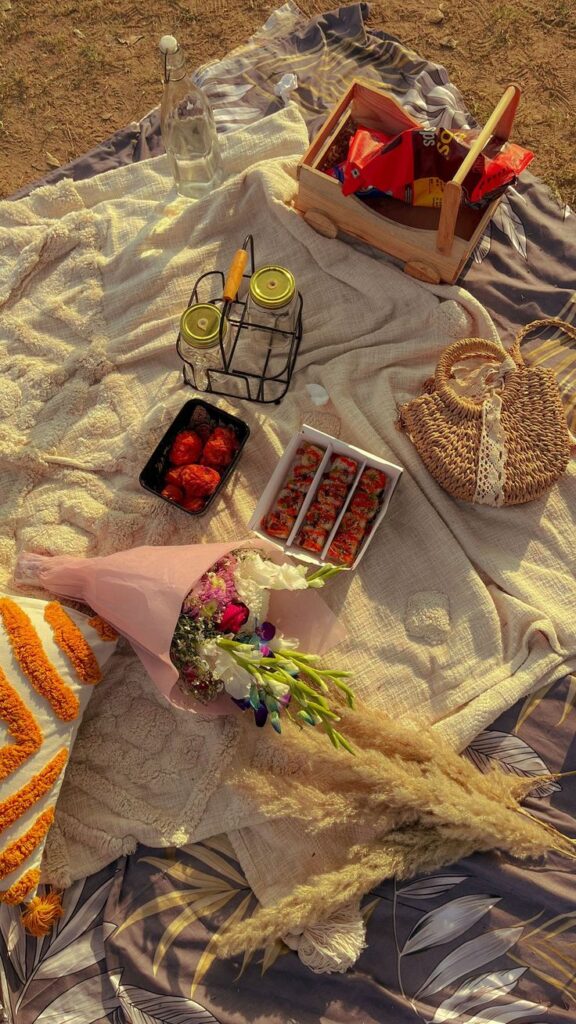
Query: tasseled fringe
(332, 945)
(41, 913)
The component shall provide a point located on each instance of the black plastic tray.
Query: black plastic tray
(195, 411)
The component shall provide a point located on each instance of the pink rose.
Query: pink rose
(233, 617)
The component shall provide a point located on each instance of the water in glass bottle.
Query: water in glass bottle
(188, 129)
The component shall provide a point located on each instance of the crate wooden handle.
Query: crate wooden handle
(499, 124)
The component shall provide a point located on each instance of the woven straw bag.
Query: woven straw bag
(505, 449)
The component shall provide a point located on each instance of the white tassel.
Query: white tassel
(331, 946)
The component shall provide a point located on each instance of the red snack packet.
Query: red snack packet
(186, 448)
(500, 162)
(415, 165)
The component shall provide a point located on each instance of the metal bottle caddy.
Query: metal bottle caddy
(266, 383)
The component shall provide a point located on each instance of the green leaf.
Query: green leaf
(272, 952)
(185, 873)
(570, 701)
(212, 860)
(167, 901)
(530, 705)
(209, 954)
(203, 906)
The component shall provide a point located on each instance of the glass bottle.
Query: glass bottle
(188, 128)
(199, 342)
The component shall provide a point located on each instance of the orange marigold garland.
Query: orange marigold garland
(22, 727)
(21, 801)
(13, 856)
(18, 892)
(72, 642)
(27, 648)
(104, 629)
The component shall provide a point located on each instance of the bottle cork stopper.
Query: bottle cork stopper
(168, 44)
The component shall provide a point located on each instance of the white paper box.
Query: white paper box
(333, 446)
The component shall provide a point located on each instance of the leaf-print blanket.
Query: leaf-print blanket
(481, 942)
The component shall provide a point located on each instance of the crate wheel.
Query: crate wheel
(321, 223)
(422, 271)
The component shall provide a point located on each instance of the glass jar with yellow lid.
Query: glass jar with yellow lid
(272, 303)
(199, 342)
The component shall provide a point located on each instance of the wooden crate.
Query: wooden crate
(433, 244)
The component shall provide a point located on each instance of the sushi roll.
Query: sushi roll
(372, 481)
(341, 551)
(309, 455)
(364, 504)
(331, 493)
(289, 501)
(312, 538)
(352, 526)
(342, 468)
(320, 516)
(300, 478)
(278, 524)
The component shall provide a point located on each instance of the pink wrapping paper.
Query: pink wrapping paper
(140, 593)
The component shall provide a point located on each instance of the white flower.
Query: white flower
(279, 641)
(277, 690)
(265, 575)
(237, 681)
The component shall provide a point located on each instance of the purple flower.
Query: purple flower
(244, 703)
(266, 631)
(260, 715)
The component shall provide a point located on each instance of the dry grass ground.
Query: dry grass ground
(73, 71)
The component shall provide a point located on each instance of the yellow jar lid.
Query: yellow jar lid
(200, 325)
(272, 287)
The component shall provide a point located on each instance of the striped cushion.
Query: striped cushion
(50, 659)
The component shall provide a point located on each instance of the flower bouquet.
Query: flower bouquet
(224, 642)
(212, 624)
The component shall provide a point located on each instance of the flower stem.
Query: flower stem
(319, 577)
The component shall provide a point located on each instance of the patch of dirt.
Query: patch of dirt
(74, 71)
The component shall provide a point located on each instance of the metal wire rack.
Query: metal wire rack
(267, 381)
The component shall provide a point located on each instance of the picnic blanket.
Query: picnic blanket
(455, 613)
(136, 938)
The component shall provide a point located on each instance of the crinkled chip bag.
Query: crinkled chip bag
(415, 165)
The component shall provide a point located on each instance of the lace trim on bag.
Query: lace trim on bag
(485, 380)
(491, 475)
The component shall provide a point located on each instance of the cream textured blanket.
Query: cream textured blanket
(455, 611)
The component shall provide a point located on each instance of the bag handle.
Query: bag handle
(468, 347)
(552, 321)
(465, 348)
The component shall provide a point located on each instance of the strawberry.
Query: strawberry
(173, 492)
(186, 448)
(199, 481)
